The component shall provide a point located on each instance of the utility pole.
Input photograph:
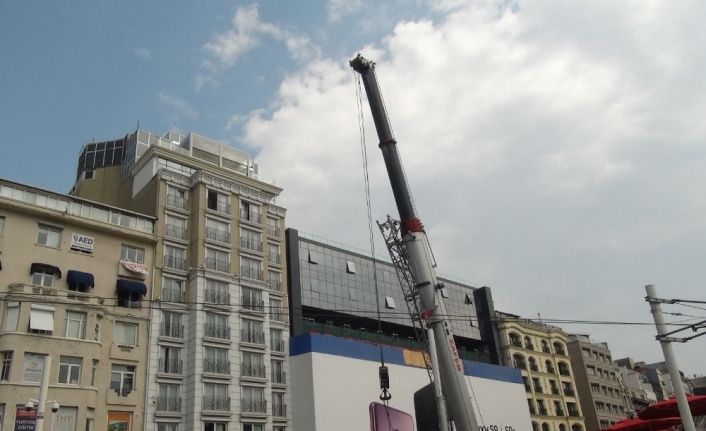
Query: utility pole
(669, 358)
(39, 424)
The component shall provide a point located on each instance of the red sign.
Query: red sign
(25, 420)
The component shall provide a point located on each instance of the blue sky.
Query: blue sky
(555, 149)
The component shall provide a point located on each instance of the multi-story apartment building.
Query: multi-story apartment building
(539, 351)
(218, 358)
(639, 388)
(669, 385)
(598, 381)
(75, 276)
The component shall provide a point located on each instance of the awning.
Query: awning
(131, 286)
(669, 408)
(36, 267)
(41, 318)
(73, 277)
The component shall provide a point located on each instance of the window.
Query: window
(75, 325)
(279, 409)
(273, 253)
(217, 202)
(278, 429)
(43, 277)
(275, 280)
(122, 379)
(591, 371)
(174, 227)
(217, 326)
(528, 343)
(125, 334)
(217, 230)
(172, 290)
(558, 408)
(604, 424)
(250, 240)
(276, 341)
(545, 426)
(276, 312)
(252, 332)
(595, 388)
(600, 406)
(254, 427)
(515, 340)
(69, 370)
(389, 302)
(94, 368)
(250, 212)
(350, 267)
(175, 257)
(519, 362)
(272, 227)
(12, 313)
(313, 257)
(217, 260)
(537, 385)
(170, 427)
(168, 399)
(251, 268)
(216, 361)
(2, 225)
(216, 426)
(171, 325)
(572, 409)
(277, 368)
(533, 364)
(586, 353)
(169, 360)
(252, 300)
(129, 299)
(217, 292)
(254, 400)
(253, 365)
(50, 237)
(132, 254)
(41, 319)
(176, 198)
(215, 397)
(6, 366)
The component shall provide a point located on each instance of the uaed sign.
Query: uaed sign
(82, 242)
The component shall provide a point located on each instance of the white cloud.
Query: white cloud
(143, 53)
(179, 109)
(336, 9)
(555, 152)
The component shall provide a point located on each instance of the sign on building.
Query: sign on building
(83, 243)
(64, 419)
(25, 420)
(119, 421)
(32, 368)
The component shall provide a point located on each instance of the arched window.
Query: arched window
(562, 427)
(576, 427)
(545, 426)
(528, 343)
(559, 349)
(545, 346)
(535, 426)
(563, 369)
(515, 340)
(550, 366)
(519, 361)
(533, 364)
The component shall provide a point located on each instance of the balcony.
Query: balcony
(273, 231)
(177, 202)
(219, 404)
(277, 345)
(216, 331)
(254, 304)
(276, 285)
(253, 337)
(253, 370)
(217, 235)
(254, 273)
(173, 330)
(216, 366)
(170, 366)
(250, 216)
(216, 297)
(172, 295)
(275, 258)
(175, 263)
(569, 392)
(168, 404)
(217, 265)
(534, 367)
(538, 389)
(129, 303)
(177, 232)
(250, 244)
(221, 207)
(278, 315)
(279, 377)
(253, 405)
(279, 410)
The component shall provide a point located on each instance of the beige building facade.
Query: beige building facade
(74, 279)
(218, 358)
(539, 351)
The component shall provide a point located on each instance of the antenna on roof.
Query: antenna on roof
(138, 124)
(540, 317)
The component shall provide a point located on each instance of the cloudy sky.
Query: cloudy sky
(555, 149)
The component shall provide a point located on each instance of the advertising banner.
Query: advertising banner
(25, 420)
(119, 421)
(134, 266)
(32, 368)
(80, 242)
(64, 419)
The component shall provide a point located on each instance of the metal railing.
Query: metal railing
(529, 346)
(515, 342)
(217, 235)
(538, 389)
(251, 216)
(216, 297)
(546, 349)
(555, 391)
(220, 207)
(128, 303)
(174, 231)
(218, 265)
(278, 315)
(253, 304)
(253, 337)
(543, 411)
(174, 330)
(534, 367)
(551, 370)
(217, 366)
(277, 345)
(574, 413)
(559, 351)
(250, 244)
(528, 388)
(275, 258)
(532, 410)
(273, 231)
(253, 405)
(175, 263)
(560, 412)
(252, 370)
(216, 403)
(216, 331)
(254, 273)
(279, 410)
(168, 404)
(569, 392)
(564, 372)
(276, 285)
(175, 201)
(170, 366)
(278, 377)
(172, 295)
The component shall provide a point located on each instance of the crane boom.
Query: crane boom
(441, 339)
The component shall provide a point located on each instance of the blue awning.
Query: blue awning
(131, 286)
(36, 267)
(73, 277)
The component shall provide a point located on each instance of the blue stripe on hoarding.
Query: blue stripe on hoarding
(332, 345)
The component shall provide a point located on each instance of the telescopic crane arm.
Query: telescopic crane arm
(441, 339)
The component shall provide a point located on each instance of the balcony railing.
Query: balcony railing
(221, 207)
(277, 345)
(555, 391)
(273, 231)
(279, 410)
(175, 262)
(175, 201)
(569, 392)
(216, 403)
(217, 235)
(560, 412)
(534, 367)
(128, 303)
(250, 244)
(564, 372)
(278, 377)
(250, 216)
(551, 370)
(528, 388)
(276, 285)
(172, 295)
(253, 337)
(170, 366)
(529, 346)
(254, 304)
(248, 272)
(174, 330)
(546, 349)
(212, 296)
(168, 404)
(275, 258)
(538, 389)
(559, 351)
(515, 343)
(253, 405)
(216, 331)
(574, 413)
(278, 315)
(217, 366)
(543, 411)
(252, 370)
(217, 265)
(172, 231)
(532, 410)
